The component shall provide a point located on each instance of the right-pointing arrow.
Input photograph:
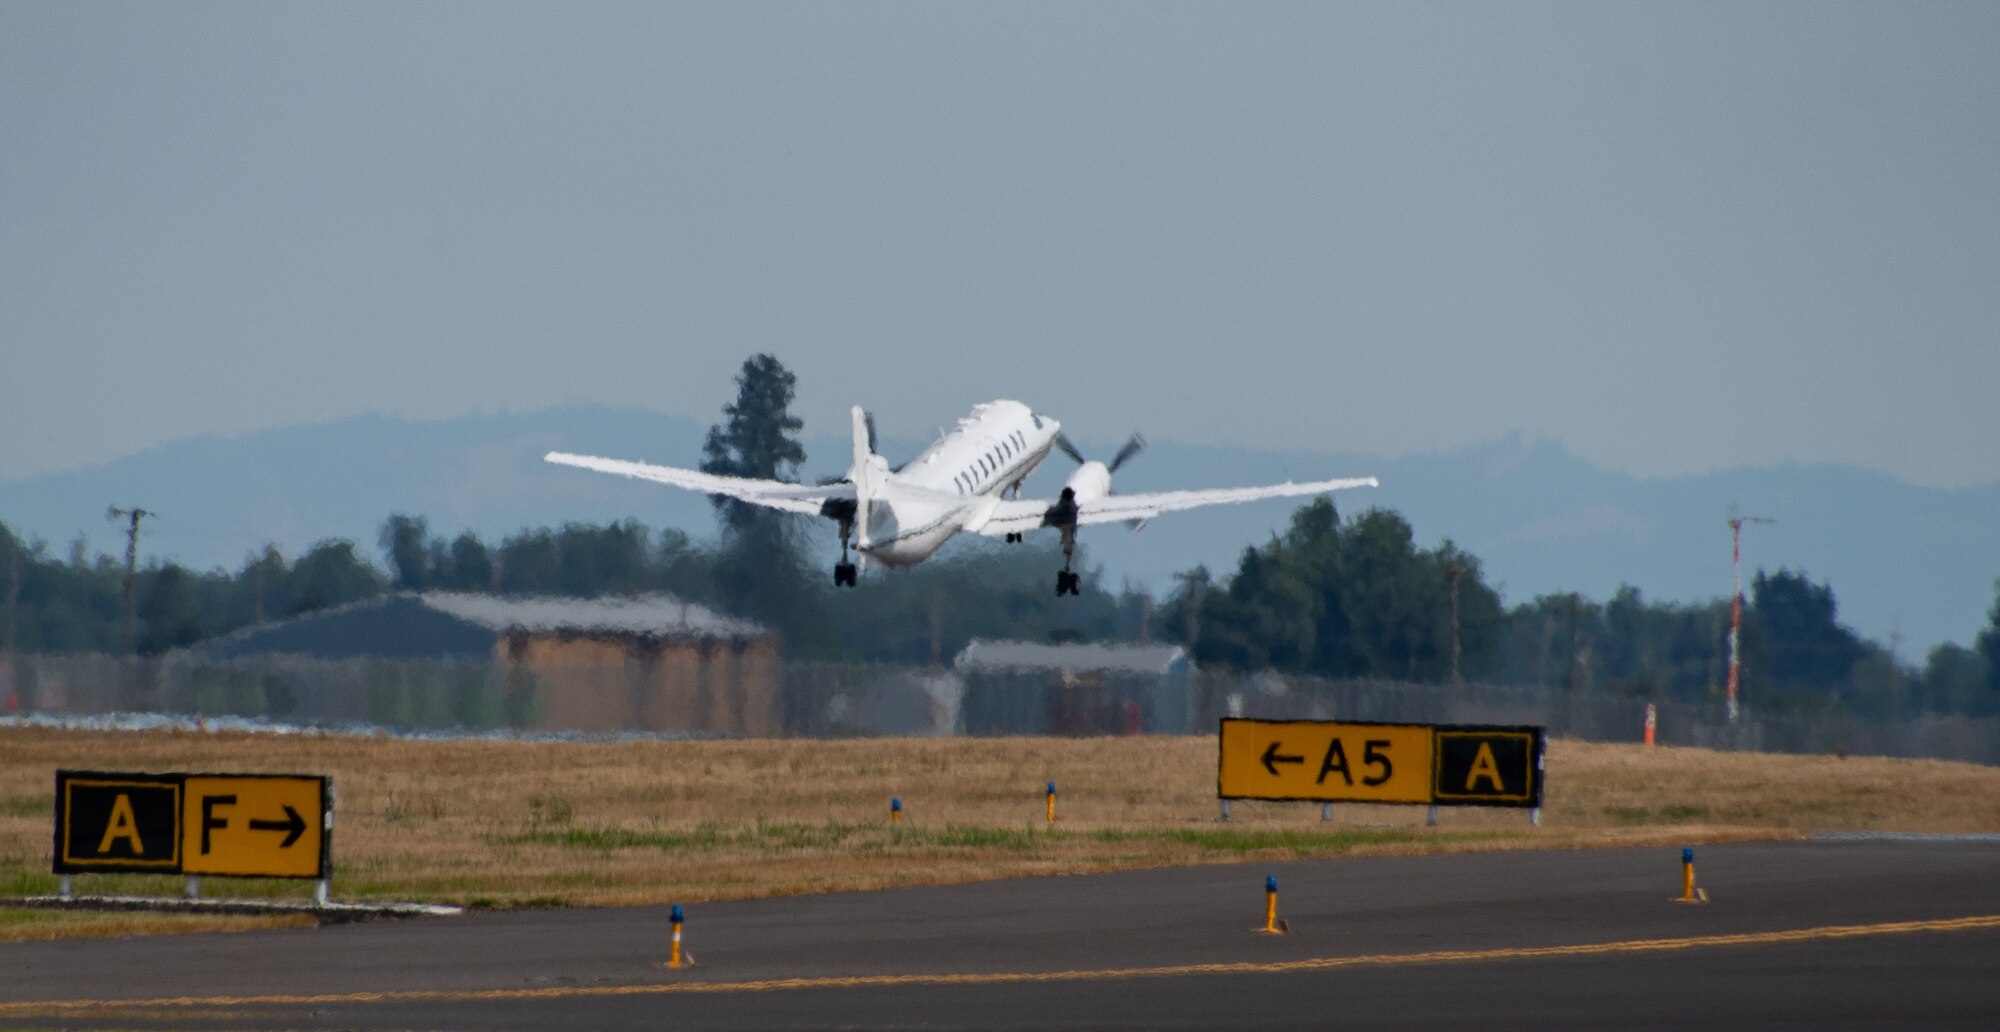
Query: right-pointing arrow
(293, 825)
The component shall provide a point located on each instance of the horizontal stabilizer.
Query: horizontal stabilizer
(774, 494)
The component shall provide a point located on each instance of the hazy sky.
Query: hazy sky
(1673, 237)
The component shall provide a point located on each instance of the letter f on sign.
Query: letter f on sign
(208, 818)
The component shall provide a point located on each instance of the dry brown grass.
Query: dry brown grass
(508, 823)
(17, 924)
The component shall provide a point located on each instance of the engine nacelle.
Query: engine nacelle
(1091, 481)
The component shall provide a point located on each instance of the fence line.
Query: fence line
(847, 699)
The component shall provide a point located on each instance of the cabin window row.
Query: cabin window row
(990, 462)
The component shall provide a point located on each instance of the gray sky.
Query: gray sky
(1673, 237)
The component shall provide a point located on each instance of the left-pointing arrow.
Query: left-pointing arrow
(293, 825)
(1272, 758)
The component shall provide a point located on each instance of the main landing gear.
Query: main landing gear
(845, 575)
(1068, 583)
(1016, 538)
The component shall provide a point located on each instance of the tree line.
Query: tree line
(1331, 596)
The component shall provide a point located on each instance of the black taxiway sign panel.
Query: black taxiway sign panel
(117, 822)
(1488, 766)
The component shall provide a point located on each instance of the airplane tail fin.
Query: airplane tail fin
(864, 473)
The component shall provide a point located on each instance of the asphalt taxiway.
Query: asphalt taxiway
(1838, 934)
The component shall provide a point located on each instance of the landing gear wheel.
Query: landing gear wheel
(844, 573)
(1016, 538)
(1068, 583)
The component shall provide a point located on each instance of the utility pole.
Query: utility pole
(13, 597)
(1454, 571)
(1575, 643)
(1736, 523)
(134, 514)
(1197, 586)
(1896, 670)
(257, 590)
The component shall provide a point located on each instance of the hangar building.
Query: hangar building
(652, 663)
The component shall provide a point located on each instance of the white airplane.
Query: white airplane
(969, 481)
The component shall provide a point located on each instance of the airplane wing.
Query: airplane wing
(775, 494)
(1014, 517)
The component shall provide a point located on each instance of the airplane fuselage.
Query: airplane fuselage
(945, 488)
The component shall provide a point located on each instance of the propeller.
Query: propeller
(1133, 446)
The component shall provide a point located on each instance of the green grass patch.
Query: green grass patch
(29, 806)
(26, 883)
(784, 836)
(1672, 813)
(702, 837)
(1300, 842)
(975, 837)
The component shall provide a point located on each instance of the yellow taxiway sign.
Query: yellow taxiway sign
(262, 825)
(1324, 761)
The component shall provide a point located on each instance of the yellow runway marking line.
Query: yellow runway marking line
(1823, 933)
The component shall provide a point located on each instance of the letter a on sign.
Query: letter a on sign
(1484, 767)
(1488, 766)
(122, 825)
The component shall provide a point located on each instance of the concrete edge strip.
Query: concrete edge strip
(1903, 836)
(1827, 932)
(178, 905)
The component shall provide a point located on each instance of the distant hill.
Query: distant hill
(1898, 556)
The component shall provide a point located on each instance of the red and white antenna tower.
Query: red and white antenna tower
(1736, 523)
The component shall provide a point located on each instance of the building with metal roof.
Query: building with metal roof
(655, 662)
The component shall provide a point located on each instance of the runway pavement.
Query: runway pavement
(1849, 934)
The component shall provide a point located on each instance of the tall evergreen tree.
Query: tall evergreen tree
(759, 572)
(470, 564)
(1796, 638)
(758, 438)
(1988, 644)
(331, 575)
(403, 539)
